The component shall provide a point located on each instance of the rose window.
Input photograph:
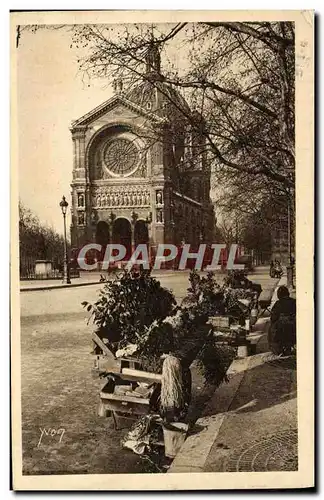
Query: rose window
(121, 156)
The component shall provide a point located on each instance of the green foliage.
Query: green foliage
(133, 308)
(127, 304)
(214, 360)
(155, 340)
(234, 277)
(205, 296)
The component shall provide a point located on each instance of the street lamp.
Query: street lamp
(66, 272)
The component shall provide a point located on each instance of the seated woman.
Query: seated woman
(282, 333)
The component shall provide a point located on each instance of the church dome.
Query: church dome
(159, 98)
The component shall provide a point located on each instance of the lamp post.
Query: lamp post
(66, 272)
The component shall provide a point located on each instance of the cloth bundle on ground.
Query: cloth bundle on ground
(143, 433)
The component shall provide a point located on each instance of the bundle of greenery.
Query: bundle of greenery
(136, 316)
(128, 304)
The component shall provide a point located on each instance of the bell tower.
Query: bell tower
(153, 60)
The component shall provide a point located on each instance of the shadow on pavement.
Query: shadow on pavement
(263, 386)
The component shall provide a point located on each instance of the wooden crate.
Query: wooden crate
(118, 372)
(125, 404)
(124, 407)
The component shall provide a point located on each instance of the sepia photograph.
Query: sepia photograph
(162, 250)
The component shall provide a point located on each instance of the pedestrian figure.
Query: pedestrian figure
(282, 333)
(278, 272)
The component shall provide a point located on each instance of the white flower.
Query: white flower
(175, 321)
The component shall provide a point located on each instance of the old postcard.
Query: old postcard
(162, 250)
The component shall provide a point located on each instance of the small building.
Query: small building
(43, 267)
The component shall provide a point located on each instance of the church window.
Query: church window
(121, 156)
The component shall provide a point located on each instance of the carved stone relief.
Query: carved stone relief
(81, 219)
(159, 215)
(159, 197)
(80, 200)
(94, 217)
(120, 197)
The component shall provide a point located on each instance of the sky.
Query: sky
(50, 95)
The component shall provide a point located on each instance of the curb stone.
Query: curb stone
(56, 287)
(196, 447)
(73, 285)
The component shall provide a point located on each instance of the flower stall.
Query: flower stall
(144, 344)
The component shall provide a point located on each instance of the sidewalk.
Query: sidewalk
(249, 424)
(31, 285)
(85, 279)
(260, 275)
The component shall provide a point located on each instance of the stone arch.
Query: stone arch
(99, 137)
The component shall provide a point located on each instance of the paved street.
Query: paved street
(59, 393)
(59, 397)
(265, 412)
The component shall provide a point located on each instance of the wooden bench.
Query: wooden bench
(265, 301)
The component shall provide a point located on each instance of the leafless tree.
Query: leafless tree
(37, 241)
(239, 76)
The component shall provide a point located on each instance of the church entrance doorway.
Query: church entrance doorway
(103, 239)
(141, 232)
(102, 233)
(122, 235)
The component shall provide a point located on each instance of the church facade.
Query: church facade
(140, 172)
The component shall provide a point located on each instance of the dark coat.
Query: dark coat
(283, 322)
(285, 306)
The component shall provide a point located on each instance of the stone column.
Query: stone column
(134, 217)
(79, 163)
(79, 183)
